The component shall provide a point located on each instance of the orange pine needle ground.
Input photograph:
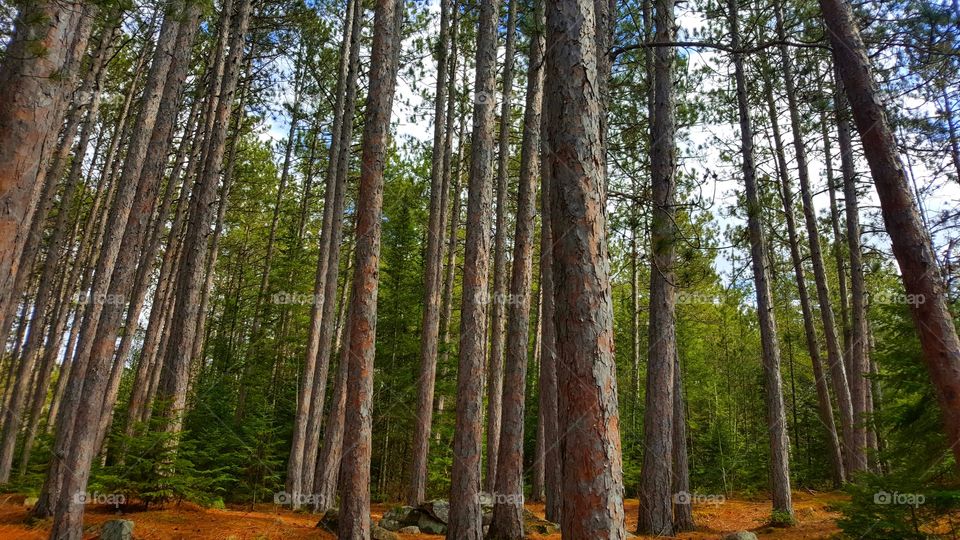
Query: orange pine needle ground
(815, 519)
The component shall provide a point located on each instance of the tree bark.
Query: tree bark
(465, 512)
(507, 523)
(587, 387)
(776, 416)
(38, 69)
(500, 276)
(354, 521)
(809, 324)
(656, 508)
(430, 329)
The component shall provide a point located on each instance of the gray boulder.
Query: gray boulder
(412, 529)
(379, 533)
(117, 529)
(402, 516)
(430, 525)
(438, 509)
(740, 535)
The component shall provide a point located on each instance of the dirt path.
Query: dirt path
(187, 521)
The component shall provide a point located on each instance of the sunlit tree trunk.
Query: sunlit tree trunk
(354, 520)
(592, 483)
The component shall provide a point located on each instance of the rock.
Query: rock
(390, 524)
(412, 529)
(403, 515)
(437, 509)
(30, 502)
(117, 529)
(330, 520)
(740, 535)
(428, 524)
(534, 524)
(379, 533)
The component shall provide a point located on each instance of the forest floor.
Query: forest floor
(816, 518)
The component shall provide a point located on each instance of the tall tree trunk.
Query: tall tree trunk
(354, 522)
(189, 283)
(656, 508)
(333, 263)
(430, 329)
(507, 523)
(776, 416)
(465, 514)
(548, 399)
(587, 387)
(35, 89)
(809, 324)
(67, 521)
(859, 335)
(68, 513)
(500, 277)
(848, 393)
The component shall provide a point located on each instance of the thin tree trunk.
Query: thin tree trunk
(190, 279)
(809, 325)
(587, 387)
(776, 416)
(507, 520)
(849, 393)
(432, 279)
(333, 263)
(682, 513)
(548, 399)
(328, 460)
(859, 335)
(500, 276)
(656, 493)
(354, 521)
(465, 513)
